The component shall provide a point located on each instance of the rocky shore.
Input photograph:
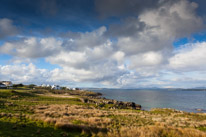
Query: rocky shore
(113, 104)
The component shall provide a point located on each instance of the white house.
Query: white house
(43, 85)
(48, 85)
(55, 87)
(75, 88)
(2, 85)
(68, 88)
(7, 83)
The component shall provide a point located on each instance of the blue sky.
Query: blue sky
(104, 43)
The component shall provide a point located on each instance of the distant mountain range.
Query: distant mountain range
(153, 88)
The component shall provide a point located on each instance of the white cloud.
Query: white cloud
(190, 57)
(156, 29)
(80, 41)
(72, 58)
(32, 47)
(141, 53)
(119, 56)
(146, 59)
(21, 73)
(174, 20)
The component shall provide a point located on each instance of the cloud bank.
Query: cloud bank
(138, 51)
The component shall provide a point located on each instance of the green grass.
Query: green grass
(78, 122)
(202, 129)
(19, 101)
(193, 116)
(162, 111)
(10, 94)
(16, 127)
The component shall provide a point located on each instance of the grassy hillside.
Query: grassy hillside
(44, 112)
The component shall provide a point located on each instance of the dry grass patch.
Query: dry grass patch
(159, 131)
(120, 122)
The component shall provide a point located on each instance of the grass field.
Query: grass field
(44, 113)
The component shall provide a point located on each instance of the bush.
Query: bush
(18, 85)
(31, 86)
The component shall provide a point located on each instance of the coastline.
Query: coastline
(139, 107)
(188, 101)
(76, 113)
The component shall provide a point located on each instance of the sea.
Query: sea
(185, 100)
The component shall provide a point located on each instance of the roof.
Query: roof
(1, 84)
(5, 81)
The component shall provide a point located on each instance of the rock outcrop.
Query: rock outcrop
(114, 104)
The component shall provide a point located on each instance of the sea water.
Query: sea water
(184, 100)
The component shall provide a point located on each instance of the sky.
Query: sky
(104, 43)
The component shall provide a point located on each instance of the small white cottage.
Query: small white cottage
(2, 85)
(7, 83)
(43, 85)
(55, 87)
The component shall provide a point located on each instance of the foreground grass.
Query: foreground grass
(19, 101)
(16, 127)
(37, 113)
(16, 104)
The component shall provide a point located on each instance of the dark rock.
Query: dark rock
(198, 109)
(13, 91)
(119, 103)
(131, 105)
(126, 105)
(100, 104)
(110, 102)
(138, 107)
(91, 101)
(84, 100)
(66, 114)
(116, 104)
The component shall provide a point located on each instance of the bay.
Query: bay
(183, 100)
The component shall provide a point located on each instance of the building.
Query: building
(43, 85)
(68, 88)
(7, 83)
(75, 89)
(55, 87)
(2, 85)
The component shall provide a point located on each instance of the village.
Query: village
(10, 85)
